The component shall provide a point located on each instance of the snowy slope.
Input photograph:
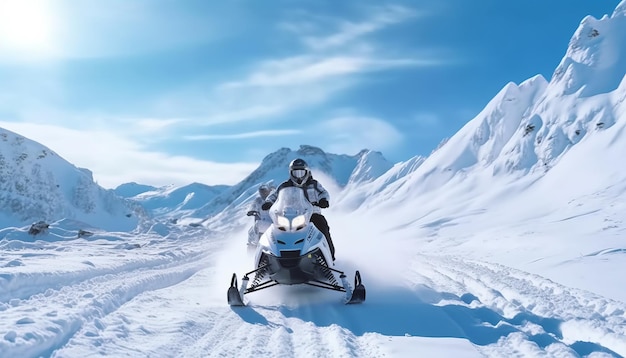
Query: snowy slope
(537, 161)
(507, 241)
(173, 201)
(36, 184)
(334, 171)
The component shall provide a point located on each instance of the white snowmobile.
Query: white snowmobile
(293, 251)
(262, 222)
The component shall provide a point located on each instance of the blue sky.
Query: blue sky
(172, 92)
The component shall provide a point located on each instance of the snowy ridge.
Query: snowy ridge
(340, 170)
(371, 165)
(128, 190)
(36, 184)
(176, 201)
(527, 130)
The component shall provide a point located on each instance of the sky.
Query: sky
(161, 92)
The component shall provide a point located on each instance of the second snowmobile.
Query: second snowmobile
(262, 222)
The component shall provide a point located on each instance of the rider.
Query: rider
(259, 214)
(255, 206)
(300, 176)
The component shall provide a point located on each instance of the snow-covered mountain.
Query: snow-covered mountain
(537, 133)
(128, 190)
(335, 171)
(175, 202)
(36, 184)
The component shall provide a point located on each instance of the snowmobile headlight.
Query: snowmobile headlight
(298, 222)
(283, 222)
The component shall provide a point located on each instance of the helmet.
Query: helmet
(299, 171)
(264, 191)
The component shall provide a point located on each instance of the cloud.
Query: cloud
(249, 108)
(350, 134)
(115, 159)
(156, 125)
(330, 65)
(305, 70)
(299, 70)
(427, 120)
(279, 87)
(283, 90)
(247, 135)
(349, 31)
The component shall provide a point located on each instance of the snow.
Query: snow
(508, 240)
(117, 294)
(448, 274)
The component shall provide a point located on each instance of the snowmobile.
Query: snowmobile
(293, 251)
(262, 221)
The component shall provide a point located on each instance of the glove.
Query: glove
(251, 213)
(323, 203)
(266, 205)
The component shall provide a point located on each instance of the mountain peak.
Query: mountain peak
(309, 150)
(595, 61)
(371, 165)
(333, 170)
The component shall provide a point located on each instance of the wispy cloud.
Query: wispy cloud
(305, 70)
(349, 31)
(156, 125)
(350, 134)
(427, 119)
(247, 135)
(329, 65)
(300, 84)
(115, 159)
(249, 108)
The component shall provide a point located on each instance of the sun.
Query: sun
(26, 27)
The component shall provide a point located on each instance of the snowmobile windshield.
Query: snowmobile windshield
(292, 210)
(292, 198)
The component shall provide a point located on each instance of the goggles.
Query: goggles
(299, 173)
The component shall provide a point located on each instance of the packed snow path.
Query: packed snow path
(168, 299)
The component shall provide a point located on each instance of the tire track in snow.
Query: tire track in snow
(231, 336)
(83, 303)
(23, 285)
(539, 310)
(270, 331)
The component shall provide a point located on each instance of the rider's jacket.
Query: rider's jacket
(255, 205)
(313, 191)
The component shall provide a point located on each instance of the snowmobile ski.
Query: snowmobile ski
(358, 294)
(234, 297)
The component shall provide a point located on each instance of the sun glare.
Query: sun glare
(26, 27)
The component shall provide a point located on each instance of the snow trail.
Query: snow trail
(551, 315)
(168, 299)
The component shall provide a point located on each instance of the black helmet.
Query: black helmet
(264, 190)
(299, 171)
